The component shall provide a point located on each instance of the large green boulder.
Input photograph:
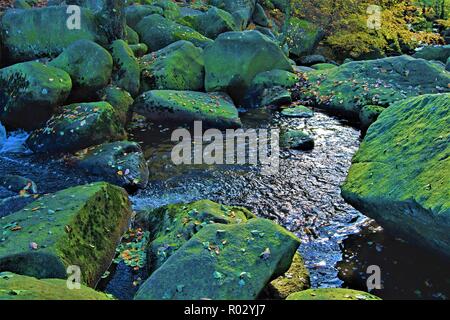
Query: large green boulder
(30, 93)
(437, 53)
(127, 72)
(351, 86)
(79, 226)
(224, 262)
(76, 127)
(302, 37)
(236, 58)
(216, 110)
(121, 101)
(242, 10)
(179, 66)
(332, 294)
(401, 175)
(18, 287)
(89, 65)
(265, 83)
(173, 225)
(158, 32)
(43, 32)
(210, 23)
(121, 163)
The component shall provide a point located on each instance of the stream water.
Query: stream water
(304, 196)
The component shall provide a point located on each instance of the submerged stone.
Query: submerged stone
(297, 112)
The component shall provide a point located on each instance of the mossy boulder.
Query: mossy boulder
(30, 92)
(237, 261)
(302, 37)
(294, 280)
(179, 66)
(438, 53)
(135, 13)
(297, 112)
(121, 163)
(323, 66)
(127, 72)
(447, 66)
(216, 110)
(121, 101)
(332, 294)
(351, 86)
(89, 65)
(296, 139)
(42, 32)
(76, 127)
(173, 225)
(242, 11)
(265, 84)
(259, 16)
(210, 23)
(158, 32)
(131, 36)
(139, 49)
(236, 58)
(79, 226)
(18, 287)
(401, 175)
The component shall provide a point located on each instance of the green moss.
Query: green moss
(121, 101)
(17, 287)
(127, 72)
(323, 66)
(42, 32)
(224, 261)
(302, 37)
(332, 294)
(78, 226)
(78, 126)
(171, 226)
(30, 93)
(214, 109)
(158, 32)
(294, 280)
(179, 66)
(401, 174)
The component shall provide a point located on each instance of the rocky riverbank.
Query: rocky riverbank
(99, 102)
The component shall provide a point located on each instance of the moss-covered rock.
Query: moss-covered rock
(131, 37)
(173, 225)
(121, 101)
(438, 53)
(210, 23)
(351, 86)
(237, 261)
(78, 226)
(139, 49)
(135, 13)
(242, 11)
(447, 65)
(297, 112)
(158, 32)
(89, 65)
(76, 127)
(266, 85)
(127, 72)
(302, 37)
(259, 16)
(179, 66)
(296, 139)
(294, 280)
(401, 175)
(30, 93)
(332, 294)
(121, 163)
(214, 109)
(236, 58)
(18, 287)
(42, 32)
(323, 66)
